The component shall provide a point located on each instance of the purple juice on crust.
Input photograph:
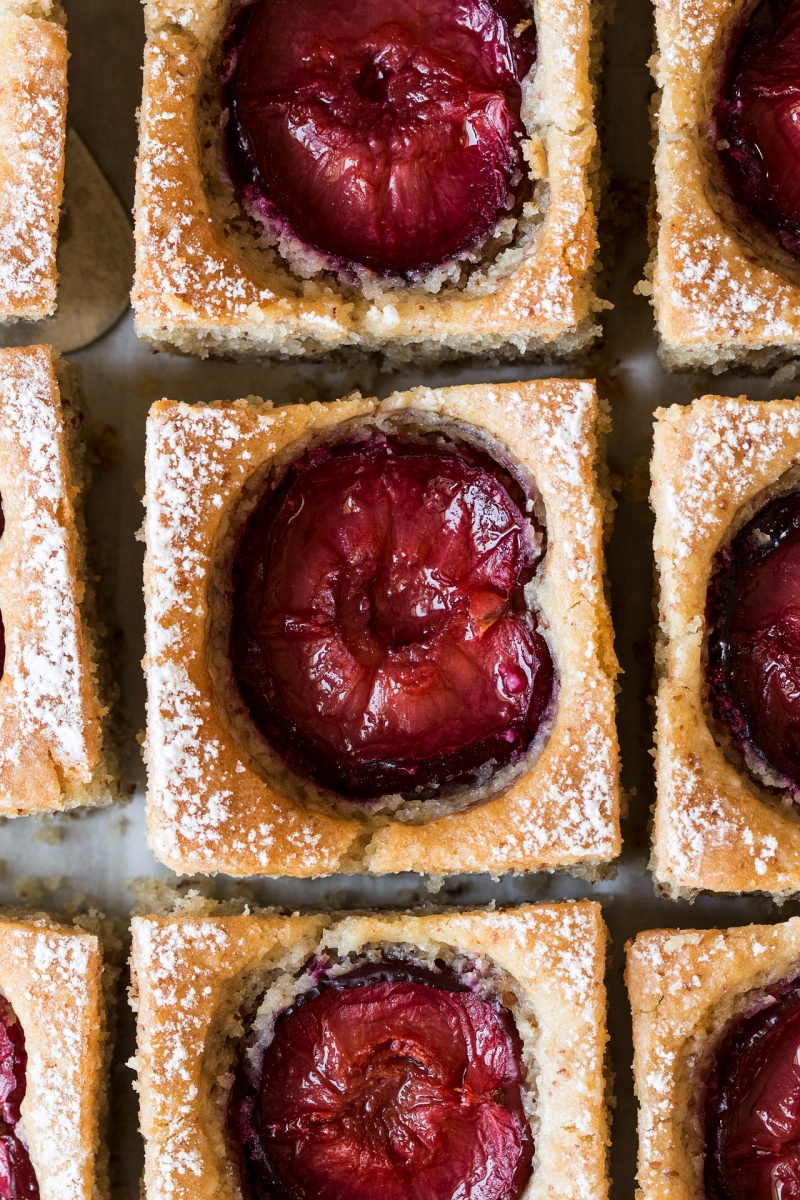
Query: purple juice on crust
(380, 635)
(383, 133)
(756, 121)
(390, 1080)
(752, 1110)
(753, 618)
(17, 1177)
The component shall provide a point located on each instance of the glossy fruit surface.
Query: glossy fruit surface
(753, 1106)
(385, 133)
(758, 116)
(380, 633)
(17, 1177)
(754, 637)
(399, 1088)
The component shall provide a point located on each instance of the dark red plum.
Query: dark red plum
(757, 120)
(382, 1085)
(385, 133)
(753, 1106)
(380, 635)
(754, 639)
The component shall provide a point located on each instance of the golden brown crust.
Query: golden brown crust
(685, 986)
(717, 301)
(51, 746)
(33, 109)
(196, 292)
(712, 828)
(198, 967)
(208, 808)
(53, 978)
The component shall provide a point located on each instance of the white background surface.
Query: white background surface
(100, 853)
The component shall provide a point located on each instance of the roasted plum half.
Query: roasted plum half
(380, 633)
(754, 641)
(753, 1105)
(383, 134)
(17, 1176)
(385, 1081)
(756, 123)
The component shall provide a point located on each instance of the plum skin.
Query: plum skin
(752, 1106)
(754, 130)
(391, 1079)
(753, 617)
(380, 637)
(386, 135)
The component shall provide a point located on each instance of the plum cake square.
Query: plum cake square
(725, 273)
(716, 1036)
(417, 180)
(726, 495)
(377, 635)
(450, 1056)
(55, 749)
(33, 115)
(54, 1050)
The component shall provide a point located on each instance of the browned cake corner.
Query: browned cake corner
(55, 749)
(33, 110)
(54, 978)
(717, 825)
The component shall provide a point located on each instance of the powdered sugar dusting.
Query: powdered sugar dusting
(46, 671)
(197, 458)
(685, 987)
(51, 979)
(33, 87)
(560, 955)
(734, 446)
(558, 941)
(178, 969)
(716, 302)
(712, 830)
(671, 961)
(707, 289)
(186, 457)
(183, 266)
(579, 794)
(696, 826)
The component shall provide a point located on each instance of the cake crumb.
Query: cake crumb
(433, 883)
(29, 888)
(50, 833)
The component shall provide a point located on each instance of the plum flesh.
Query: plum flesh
(384, 133)
(387, 1081)
(380, 637)
(756, 125)
(753, 1105)
(754, 639)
